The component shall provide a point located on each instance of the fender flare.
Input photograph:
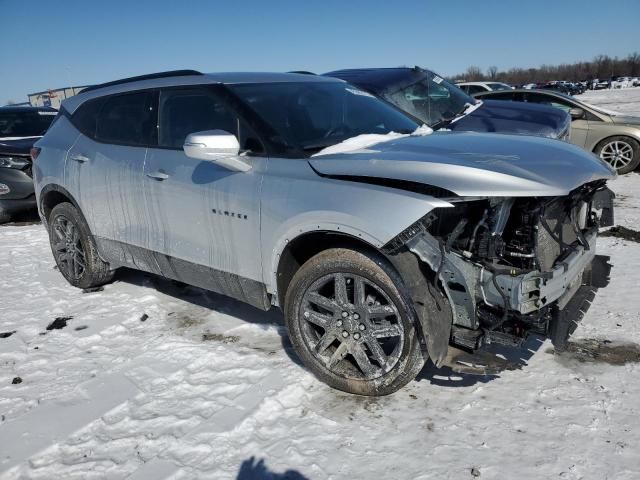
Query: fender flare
(53, 187)
(271, 276)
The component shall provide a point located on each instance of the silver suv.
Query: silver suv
(383, 242)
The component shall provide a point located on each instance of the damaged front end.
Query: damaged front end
(508, 266)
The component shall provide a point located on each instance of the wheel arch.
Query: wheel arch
(434, 316)
(632, 135)
(52, 195)
(307, 244)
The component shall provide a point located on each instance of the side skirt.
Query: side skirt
(120, 254)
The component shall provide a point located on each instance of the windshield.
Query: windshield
(313, 115)
(25, 124)
(602, 110)
(566, 95)
(433, 100)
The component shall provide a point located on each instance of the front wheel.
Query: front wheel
(351, 322)
(74, 249)
(622, 153)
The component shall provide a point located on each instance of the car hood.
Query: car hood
(625, 119)
(17, 145)
(472, 164)
(500, 116)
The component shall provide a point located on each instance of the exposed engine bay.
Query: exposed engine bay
(511, 266)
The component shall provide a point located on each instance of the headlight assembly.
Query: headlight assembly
(13, 162)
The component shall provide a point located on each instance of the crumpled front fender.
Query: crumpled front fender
(431, 306)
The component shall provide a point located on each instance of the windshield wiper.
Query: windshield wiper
(447, 121)
(318, 146)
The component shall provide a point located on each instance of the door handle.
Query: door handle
(79, 157)
(159, 175)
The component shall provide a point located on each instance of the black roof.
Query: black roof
(25, 108)
(379, 80)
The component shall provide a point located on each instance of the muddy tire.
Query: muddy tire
(622, 153)
(351, 322)
(74, 249)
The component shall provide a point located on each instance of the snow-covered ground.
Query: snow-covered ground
(153, 380)
(623, 100)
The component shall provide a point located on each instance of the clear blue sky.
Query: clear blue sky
(61, 43)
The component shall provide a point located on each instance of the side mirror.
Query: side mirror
(576, 113)
(216, 146)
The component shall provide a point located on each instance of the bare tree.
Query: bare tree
(602, 67)
(473, 74)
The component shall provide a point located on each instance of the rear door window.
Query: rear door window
(127, 119)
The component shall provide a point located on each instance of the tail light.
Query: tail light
(35, 151)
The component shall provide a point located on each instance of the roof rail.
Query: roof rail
(151, 76)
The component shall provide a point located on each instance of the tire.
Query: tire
(628, 157)
(68, 232)
(4, 217)
(362, 343)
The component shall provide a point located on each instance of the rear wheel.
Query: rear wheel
(74, 249)
(352, 324)
(622, 153)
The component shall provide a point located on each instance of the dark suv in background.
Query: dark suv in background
(20, 128)
(440, 104)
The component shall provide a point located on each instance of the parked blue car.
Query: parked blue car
(440, 104)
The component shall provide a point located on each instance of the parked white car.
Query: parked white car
(621, 82)
(477, 87)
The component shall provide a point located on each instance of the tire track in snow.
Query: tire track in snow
(119, 416)
(221, 421)
(48, 424)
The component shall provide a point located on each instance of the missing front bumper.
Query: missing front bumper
(532, 291)
(540, 302)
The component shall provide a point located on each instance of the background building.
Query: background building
(53, 98)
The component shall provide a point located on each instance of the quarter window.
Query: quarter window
(85, 116)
